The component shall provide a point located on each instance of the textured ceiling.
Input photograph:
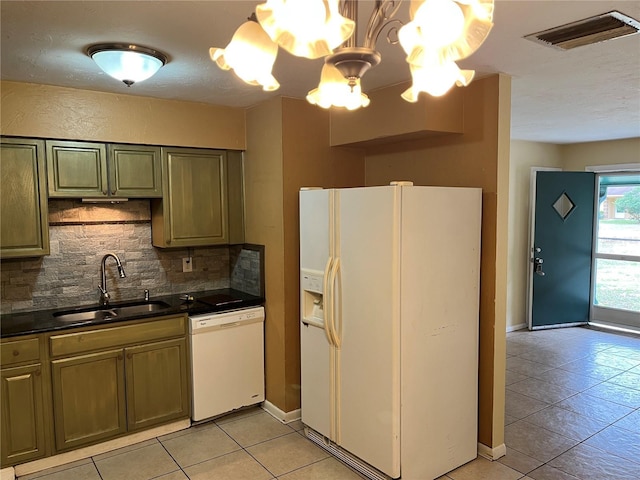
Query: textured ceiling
(587, 94)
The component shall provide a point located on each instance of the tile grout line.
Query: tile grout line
(95, 465)
(264, 441)
(172, 458)
(208, 459)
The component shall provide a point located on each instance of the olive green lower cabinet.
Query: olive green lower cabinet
(156, 383)
(23, 433)
(24, 436)
(111, 381)
(88, 398)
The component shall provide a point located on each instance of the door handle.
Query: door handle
(537, 266)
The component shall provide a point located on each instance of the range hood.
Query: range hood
(104, 200)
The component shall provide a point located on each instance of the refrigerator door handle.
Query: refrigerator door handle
(328, 302)
(336, 314)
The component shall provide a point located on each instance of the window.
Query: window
(616, 290)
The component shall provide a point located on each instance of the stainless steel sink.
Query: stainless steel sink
(102, 313)
(139, 308)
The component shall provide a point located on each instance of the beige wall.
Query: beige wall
(46, 111)
(375, 125)
(524, 155)
(477, 158)
(579, 155)
(308, 161)
(287, 148)
(264, 225)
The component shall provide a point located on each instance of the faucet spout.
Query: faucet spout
(104, 294)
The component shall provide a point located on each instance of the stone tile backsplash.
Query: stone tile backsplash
(245, 266)
(70, 275)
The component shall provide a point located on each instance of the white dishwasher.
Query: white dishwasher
(227, 355)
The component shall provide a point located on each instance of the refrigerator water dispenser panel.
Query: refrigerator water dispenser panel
(312, 281)
(312, 298)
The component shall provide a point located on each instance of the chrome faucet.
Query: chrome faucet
(104, 295)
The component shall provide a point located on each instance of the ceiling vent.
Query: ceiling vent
(588, 31)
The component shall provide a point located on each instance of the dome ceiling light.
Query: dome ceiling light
(126, 62)
(439, 33)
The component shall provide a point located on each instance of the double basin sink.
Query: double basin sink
(111, 311)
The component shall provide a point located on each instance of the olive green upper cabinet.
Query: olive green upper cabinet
(24, 228)
(77, 169)
(193, 211)
(87, 169)
(135, 171)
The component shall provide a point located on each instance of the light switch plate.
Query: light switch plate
(187, 264)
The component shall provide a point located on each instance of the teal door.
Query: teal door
(562, 245)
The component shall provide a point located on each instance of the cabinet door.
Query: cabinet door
(193, 211)
(88, 398)
(76, 169)
(157, 383)
(23, 436)
(135, 171)
(24, 223)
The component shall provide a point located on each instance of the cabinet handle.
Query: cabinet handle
(16, 353)
(113, 192)
(120, 357)
(104, 192)
(129, 356)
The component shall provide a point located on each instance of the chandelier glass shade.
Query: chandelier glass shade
(438, 34)
(335, 90)
(251, 54)
(445, 31)
(310, 29)
(436, 79)
(127, 63)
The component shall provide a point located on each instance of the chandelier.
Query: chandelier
(439, 33)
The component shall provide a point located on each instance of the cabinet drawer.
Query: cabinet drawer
(18, 351)
(110, 337)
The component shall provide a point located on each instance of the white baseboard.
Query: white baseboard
(86, 452)
(492, 453)
(7, 474)
(284, 417)
(513, 328)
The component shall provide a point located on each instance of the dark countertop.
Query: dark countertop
(40, 321)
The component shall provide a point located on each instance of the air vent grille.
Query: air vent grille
(588, 31)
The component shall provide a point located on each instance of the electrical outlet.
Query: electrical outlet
(187, 264)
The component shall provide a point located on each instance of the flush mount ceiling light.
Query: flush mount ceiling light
(439, 33)
(127, 63)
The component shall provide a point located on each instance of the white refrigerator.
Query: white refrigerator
(389, 326)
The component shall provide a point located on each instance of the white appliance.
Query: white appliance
(227, 355)
(389, 326)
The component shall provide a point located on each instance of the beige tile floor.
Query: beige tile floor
(572, 412)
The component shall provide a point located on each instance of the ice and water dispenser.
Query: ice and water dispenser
(312, 297)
